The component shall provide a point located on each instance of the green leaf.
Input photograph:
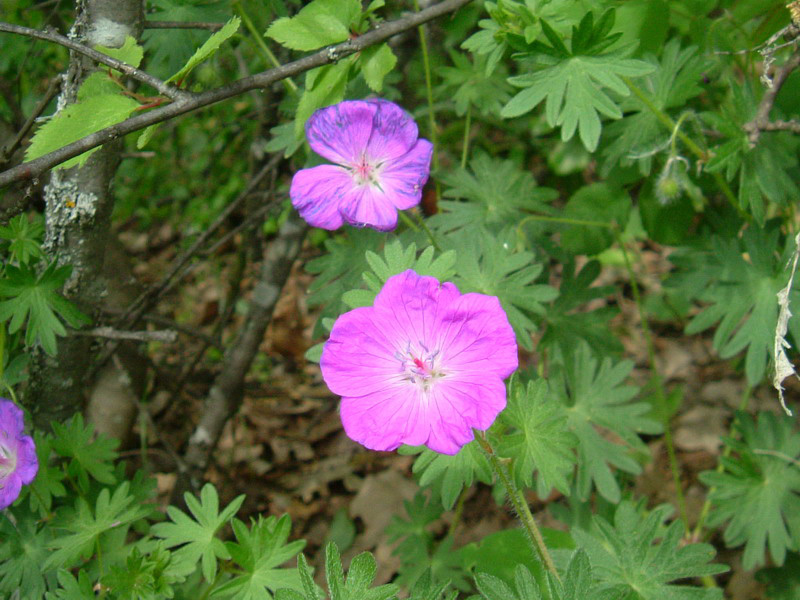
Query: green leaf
(637, 558)
(758, 493)
(573, 83)
(598, 401)
(489, 265)
(130, 52)
(47, 483)
(447, 474)
(783, 583)
(71, 588)
(197, 537)
(22, 556)
(260, 551)
(24, 237)
(599, 203)
(141, 576)
(324, 86)
(319, 23)
(359, 577)
(88, 455)
(310, 590)
(87, 526)
(77, 121)
(470, 88)
(376, 62)
(208, 49)
(497, 192)
(739, 281)
(539, 440)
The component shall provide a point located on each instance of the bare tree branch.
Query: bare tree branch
(225, 395)
(384, 31)
(52, 90)
(166, 336)
(761, 122)
(51, 36)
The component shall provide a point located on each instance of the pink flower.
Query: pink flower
(423, 365)
(381, 166)
(18, 462)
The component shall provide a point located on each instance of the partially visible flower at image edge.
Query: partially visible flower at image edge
(381, 166)
(423, 366)
(18, 462)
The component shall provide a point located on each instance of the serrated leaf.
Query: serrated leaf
(24, 237)
(86, 526)
(449, 474)
(377, 62)
(22, 557)
(89, 456)
(539, 441)
(208, 49)
(47, 483)
(319, 23)
(260, 551)
(597, 400)
(77, 121)
(197, 537)
(757, 496)
(130, 52)
(497, 193)
(637, 557)
(324, 86)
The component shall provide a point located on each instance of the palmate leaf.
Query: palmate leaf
(24, 238)
(197, 537)
(447, 475)
(598, 400)
(573, 82)
(637, 559)
(260, 551)
(33, 299)
(23, 551)
(88, 455)
(497, 192)
(86, 526)
(739, 281)
(577, 583)
(539, 440)
(758, 493)
(488, 265)
(677, 78)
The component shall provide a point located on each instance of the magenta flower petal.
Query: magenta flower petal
(18, 462)
(314, 194)
(423, 365)
(341, 132)
(382, 166)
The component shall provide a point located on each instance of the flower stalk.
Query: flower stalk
(519, 503)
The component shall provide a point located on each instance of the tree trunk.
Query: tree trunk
(78, 215)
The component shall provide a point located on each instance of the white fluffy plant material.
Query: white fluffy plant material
(783, 367)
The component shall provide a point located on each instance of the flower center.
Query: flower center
(8, 461)
(421, 366)
(365, 172)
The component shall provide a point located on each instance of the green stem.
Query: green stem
(426, 63)
(519, 503)
(659, 384)
(693, 147)
(291, 86)
(465, 149)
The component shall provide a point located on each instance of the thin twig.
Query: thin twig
(760, 122)
(56, 38)
(264, 79)
(183, 25)
(166, 336)
(52, 90)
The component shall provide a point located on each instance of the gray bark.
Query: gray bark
(78, 215)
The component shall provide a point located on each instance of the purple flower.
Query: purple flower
(381, 166)
(18, 462)
(423, 365)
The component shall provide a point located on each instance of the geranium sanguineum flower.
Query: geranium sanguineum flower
(18, 462)
(381, 166)
(423, 365)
